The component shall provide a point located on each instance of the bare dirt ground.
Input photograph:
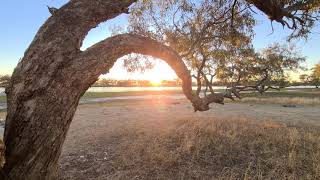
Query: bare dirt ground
(89, 151)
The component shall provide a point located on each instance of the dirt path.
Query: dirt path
(87, 151)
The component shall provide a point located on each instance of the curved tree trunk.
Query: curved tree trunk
(43, 93)
(47, 84)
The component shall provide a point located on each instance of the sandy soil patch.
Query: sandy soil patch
(90, 151)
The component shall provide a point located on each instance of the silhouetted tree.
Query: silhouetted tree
(303, 78)
(261, 71)
(314, 78)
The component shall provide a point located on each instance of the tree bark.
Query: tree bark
(52, 76)
(42, 96)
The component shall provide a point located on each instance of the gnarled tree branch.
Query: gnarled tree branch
(100, 58)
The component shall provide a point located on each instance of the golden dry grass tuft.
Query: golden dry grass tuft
(217, 149)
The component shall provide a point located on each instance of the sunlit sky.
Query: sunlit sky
(20, 20)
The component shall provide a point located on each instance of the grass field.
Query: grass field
(3, 99)
(219, 149)
(118, 94)
(288, 96)
(130, 93)
(160, 140)
(307, 93)
(286, 93)
(291, 96)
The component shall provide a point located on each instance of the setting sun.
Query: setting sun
(156, 81)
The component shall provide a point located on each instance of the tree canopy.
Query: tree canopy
(315, 76)
(262, 70)
(214, 38)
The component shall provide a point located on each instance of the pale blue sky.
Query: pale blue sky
(20, 20)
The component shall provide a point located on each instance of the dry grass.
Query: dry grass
(217, 149)
(188, 147)
(3, 115)
(282, 100)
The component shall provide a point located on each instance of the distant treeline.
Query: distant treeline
(304, 81)
(143, 83)
(171, 83)
(134, 83)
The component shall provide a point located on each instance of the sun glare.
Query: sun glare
(156, 82)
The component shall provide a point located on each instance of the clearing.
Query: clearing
(164, 139)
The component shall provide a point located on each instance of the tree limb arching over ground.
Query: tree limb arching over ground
(46, 85)
(104, 54)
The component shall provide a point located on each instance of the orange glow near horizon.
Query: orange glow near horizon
(155, 82)
(161, 71)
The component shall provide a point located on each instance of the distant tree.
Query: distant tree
(314, 78)
(105, 83)
(303, 78)
(169, 83)
(4, 80)
(261, 71)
